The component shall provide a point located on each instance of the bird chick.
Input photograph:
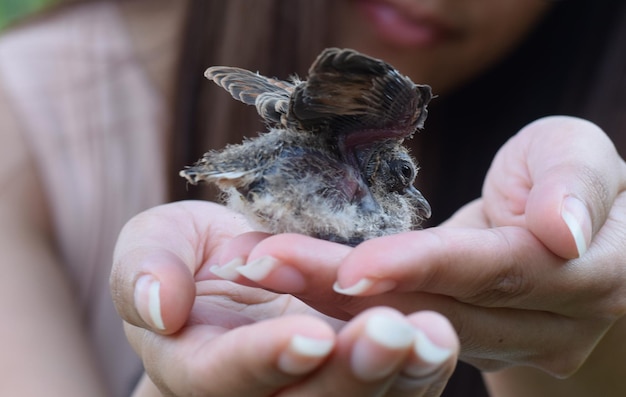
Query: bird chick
(332, 164)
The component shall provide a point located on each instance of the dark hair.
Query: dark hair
(278, 38)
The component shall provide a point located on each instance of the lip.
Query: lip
(405, 25)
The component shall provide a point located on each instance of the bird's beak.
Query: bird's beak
(423, 208)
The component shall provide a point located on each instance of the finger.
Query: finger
(163, 291)
(382, 352)
(294, 264)
(574, 174)
(156, 257)
(255, 360)
(480, 278)
(474, 281)
(488, 267)
(480, 266)
(498, 267)
(433, 360)
(234, 255)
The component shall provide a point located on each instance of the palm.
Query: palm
(206, 231)
(226, 305)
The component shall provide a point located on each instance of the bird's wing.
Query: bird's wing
(270, 96)
(347, 91)
(237, 165)
(212, 168)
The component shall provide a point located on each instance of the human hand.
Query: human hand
(200, 335)
(499, 269)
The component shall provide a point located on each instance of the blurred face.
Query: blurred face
(438, 42)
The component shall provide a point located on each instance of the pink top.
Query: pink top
(94, 122)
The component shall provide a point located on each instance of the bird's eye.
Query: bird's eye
(402, 175)
(403, 170)
(406, 170)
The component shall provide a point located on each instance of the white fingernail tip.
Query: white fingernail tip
(430, 357)
(258, 269)
(229, 270)
(356, 289)
(154, 304)
(148, 300)
(304, 354)
(310, 347)
(571, 207)
(429, 353)
(389, 332)
(380, 351)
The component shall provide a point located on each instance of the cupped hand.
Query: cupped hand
(532, 273)
(200, 335)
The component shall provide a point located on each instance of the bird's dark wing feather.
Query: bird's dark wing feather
(270, 96)
(347, 91)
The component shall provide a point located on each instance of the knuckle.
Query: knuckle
(511, 280)
(599, 190)
(504, 287)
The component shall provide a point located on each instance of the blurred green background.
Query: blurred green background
(12, 11)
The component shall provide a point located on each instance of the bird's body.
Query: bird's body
(332, 164)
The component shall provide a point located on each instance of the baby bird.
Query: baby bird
(332, 164)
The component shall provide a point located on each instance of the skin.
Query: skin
(242, 332)
(498, 294)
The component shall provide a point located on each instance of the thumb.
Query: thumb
(157, 255)
(572, 174)
(561, 216)
(151, 282)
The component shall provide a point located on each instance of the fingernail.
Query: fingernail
(258, 269)
(284, 278)
(431, 356)
(578, 221)
(376, 355)
(148, 300)
(304, 354)
(229, 270)
(366, 285)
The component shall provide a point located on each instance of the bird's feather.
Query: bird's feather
(332, 165)
(270, 96)
(347, 92)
